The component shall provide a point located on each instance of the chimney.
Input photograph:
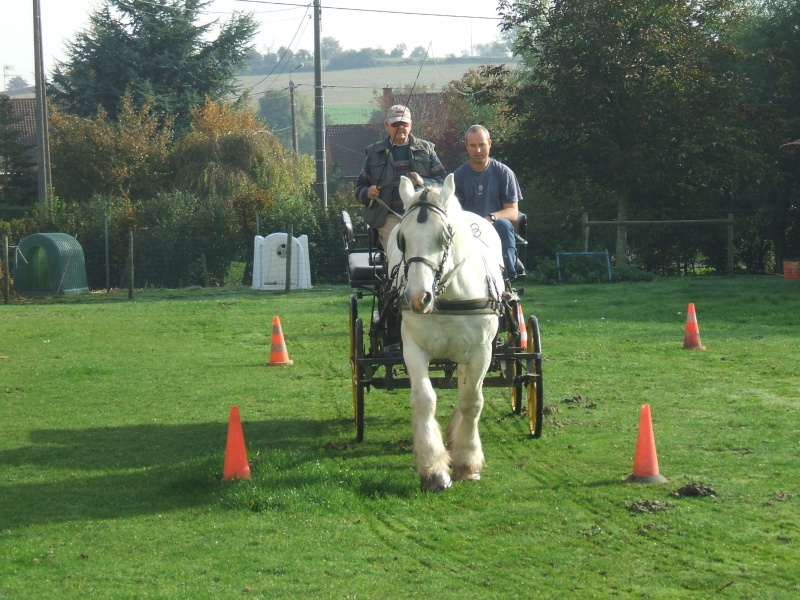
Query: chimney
(388, 99)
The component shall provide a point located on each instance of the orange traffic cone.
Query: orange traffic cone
(278, 355)
(523, 330)
(236, 465)
(645, 462)
(691, 340)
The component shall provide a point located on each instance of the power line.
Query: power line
(375, 10)
(285, 52)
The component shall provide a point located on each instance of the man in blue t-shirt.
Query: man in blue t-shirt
(489, 188)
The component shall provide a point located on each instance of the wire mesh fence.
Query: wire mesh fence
(150, 259)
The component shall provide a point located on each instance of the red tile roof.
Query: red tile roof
(25, 109)
(345, 145)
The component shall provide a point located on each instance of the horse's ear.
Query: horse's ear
(406, 189)
(448, 193)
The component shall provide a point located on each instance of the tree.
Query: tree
(356, 59)
(399, 51)
(768, 37)
(639, 98)
(330, 47)
(156, 51)
(275, 108)
(497, 48)
(417, 52)
(127, 158)
(18, 181)
(228, 152)
(17, 83)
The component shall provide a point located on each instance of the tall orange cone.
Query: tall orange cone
(691, 339)
(645, 462)
(236, 465)
(278, 355)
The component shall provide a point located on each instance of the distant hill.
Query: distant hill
(350, 95)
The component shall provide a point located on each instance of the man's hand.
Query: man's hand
(416, 179)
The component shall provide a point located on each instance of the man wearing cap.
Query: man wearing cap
(400, 153)
(490, 189)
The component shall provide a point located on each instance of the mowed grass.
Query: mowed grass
(114, 421)
(350, 95)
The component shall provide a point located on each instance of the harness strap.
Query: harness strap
(474, 306)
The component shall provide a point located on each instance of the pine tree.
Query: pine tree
(155, 51)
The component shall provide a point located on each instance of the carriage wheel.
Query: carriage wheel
(534, 384)
(358, 378)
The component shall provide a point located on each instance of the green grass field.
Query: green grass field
(349, 95)
(113, 421)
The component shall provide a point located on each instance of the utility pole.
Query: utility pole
(319, 111)
(42, 130)
(294, 119)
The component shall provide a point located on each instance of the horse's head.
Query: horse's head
(424, 239)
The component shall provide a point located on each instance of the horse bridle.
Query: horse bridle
(422, 207)
(492, 304)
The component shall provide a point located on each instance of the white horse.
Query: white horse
(451, 282)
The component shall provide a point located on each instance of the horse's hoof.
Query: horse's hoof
(464, 474)
(438, 482)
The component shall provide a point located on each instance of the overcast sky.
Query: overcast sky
(355, 23)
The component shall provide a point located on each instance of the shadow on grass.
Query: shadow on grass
(113, 472)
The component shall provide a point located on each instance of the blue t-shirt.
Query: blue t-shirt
(486, 191)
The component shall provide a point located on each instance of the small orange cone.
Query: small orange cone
(645, 462)
(236, 465)
(278, 355)
(691, 340)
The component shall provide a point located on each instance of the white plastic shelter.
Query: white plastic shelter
(269, 263)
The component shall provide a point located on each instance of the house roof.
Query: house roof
(346, 144)
(25, 110)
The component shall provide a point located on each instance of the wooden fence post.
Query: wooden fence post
(204, 265)
(289, 240)
(730, 244)
(585, 231)
(130, 264)
(6, 272)
(108, 257)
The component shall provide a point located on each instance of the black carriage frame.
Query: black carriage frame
(516, 363)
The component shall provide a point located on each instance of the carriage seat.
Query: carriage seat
(366, 264)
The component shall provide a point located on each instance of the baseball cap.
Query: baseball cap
(398, 113)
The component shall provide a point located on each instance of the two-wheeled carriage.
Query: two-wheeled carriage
(376, 352)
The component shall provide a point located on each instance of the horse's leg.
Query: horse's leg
(432, 460)
(463, 439)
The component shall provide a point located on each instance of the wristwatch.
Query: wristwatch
(492, 217)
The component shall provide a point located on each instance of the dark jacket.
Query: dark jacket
(379, 170)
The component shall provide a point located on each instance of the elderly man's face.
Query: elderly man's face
(398, 132)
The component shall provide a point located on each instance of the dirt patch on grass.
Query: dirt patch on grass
(694, 490)
(649, 506)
